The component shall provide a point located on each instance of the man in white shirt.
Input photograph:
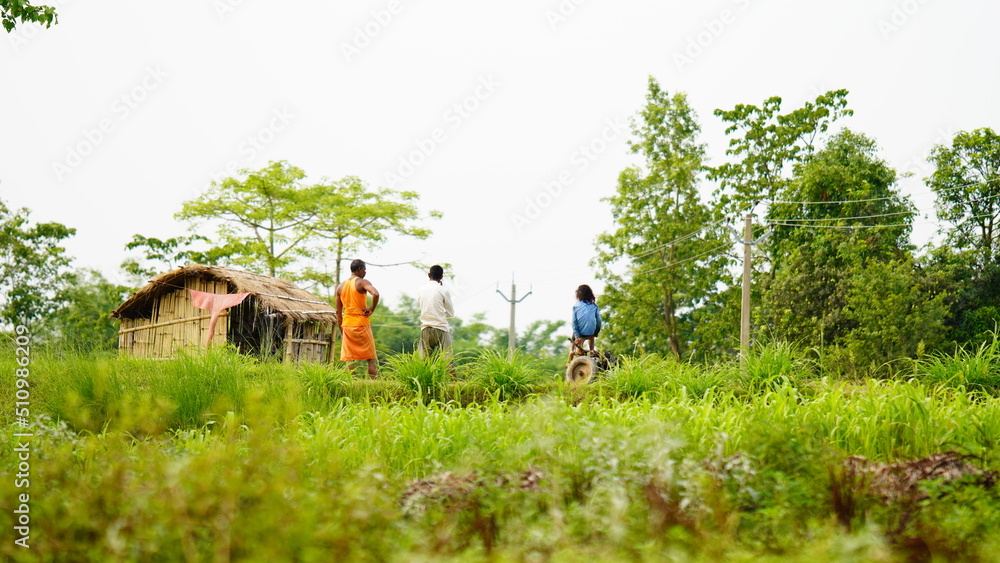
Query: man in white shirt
(435, 310)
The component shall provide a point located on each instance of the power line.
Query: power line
(678, 262)
(879, 198)
(680, 239)
(850, 218)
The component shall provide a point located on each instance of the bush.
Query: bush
(979, 370)
(425, 376)
(509, 374)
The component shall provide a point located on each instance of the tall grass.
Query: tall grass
(424, 375)
(978, 370)
(726, 475)
(507, 374)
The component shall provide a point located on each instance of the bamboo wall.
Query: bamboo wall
(309, 342)
(175, 324)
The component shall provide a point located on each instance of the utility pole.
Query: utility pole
(745, 304)
(513, 300)
(748, 243)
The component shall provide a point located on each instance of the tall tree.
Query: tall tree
(841, 237)
(357, 217)
(666, 256)
(34, 268)
(83, 323)
(14, 12)
(266, 218)
(159, 255)
(767, 143)
(966, 181)
(269, 220)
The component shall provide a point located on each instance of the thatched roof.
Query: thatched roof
(275, 295)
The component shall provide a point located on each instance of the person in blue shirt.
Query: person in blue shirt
(586, 318)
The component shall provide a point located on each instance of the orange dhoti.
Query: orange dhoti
(358, 343)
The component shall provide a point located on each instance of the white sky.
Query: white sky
(181, 87)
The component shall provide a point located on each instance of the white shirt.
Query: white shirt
(435, 305)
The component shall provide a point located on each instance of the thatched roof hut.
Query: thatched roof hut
(276, 319)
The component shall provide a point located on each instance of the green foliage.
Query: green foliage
(160, 256)
(507, 374)
(724, 476)
(775, 362)
(13, 12)
(842, 275)
(269, 221)
(637, 377)
(662, 260)
(34, 267)
(978, 370)
(425, 376)
(769, 143)
(84, 324)
(894, 313)
(966, 181)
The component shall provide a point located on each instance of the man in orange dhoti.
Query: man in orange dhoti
(353, 312)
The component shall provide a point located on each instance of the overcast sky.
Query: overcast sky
(509, 117)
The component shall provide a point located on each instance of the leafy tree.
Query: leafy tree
(270, 221)
(841, 240)
(667, 240)
(966, 181)
(34, 269)
(83, 324)
(13, 12)
(893, 310)
(356, 217)
(266, 218)
(769, 143)
(160, 255)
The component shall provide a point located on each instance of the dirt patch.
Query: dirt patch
(458, 491)
(900, 482)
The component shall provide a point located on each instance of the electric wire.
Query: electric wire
(782, 202)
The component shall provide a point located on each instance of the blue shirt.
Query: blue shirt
(586, 319)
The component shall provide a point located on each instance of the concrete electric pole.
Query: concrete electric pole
(513, 300)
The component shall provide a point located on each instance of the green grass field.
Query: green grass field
(218, 458)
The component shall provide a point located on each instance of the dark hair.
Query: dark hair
(436, 272)
(357, 264)
(585, 294)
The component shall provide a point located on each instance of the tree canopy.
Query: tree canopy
(270, 220)
(14, 12)
(34, 268)
(661, 261)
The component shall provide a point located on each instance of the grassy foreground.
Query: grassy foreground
(221, 458)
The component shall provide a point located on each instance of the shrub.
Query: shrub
(509, 374)
(425, 376)
(979, 370)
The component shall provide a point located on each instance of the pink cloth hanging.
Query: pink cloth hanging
(215, 303)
